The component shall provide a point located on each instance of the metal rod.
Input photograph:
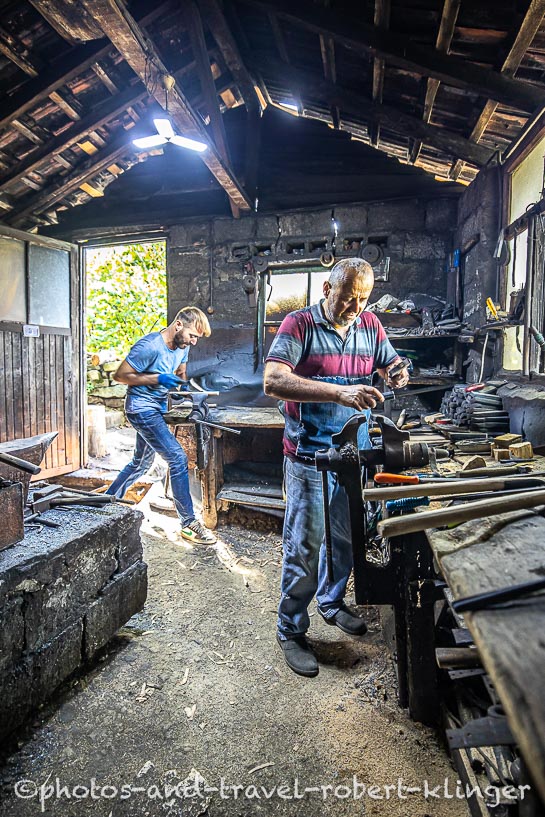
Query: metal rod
(448, 488)
(215, 425)
(327, 528)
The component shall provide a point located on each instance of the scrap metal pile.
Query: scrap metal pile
(477, 407)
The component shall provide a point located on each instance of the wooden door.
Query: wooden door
(40, 377)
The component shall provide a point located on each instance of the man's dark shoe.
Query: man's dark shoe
(298, 656)
(347, 621)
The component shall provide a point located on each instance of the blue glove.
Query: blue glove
(169, 380)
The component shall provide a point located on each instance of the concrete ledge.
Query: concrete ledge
(63, 594)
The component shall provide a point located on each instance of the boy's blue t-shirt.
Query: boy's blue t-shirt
(150, 355)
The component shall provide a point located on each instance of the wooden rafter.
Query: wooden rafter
(100, 116)
(327, 48)
(314, 87)
(140, 53)
(283, 51)
(86, 170)
(443, 42)
(522, 41)
(17, 53)
(216, 22)
(194, 25)
(60, 72)
(400, 51)
(381, 20)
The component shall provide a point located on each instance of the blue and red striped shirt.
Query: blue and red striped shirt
(310, 346)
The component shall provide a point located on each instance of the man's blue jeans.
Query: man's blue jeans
(304, 571)
(153, 437)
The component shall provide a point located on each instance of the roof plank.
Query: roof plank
(444, 40)
(216, 22)
(194, 24)
(522, 41)
(100, 116)
(307, 83)
(396, 48)
(381, 20)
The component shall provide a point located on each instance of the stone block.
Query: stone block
(15, 701)
(441, 214)
(116, 404)
(93, 375)
(234, 229)
(306, 224)
(190, 234)
(114, 418)
(57, 604)
(111, 366)
(111, 391)
(58, 659)
(426, 247)
(387, 216)
(352, 221)
(128, 545)
(124, 596)
(12, 632)
(267, 228)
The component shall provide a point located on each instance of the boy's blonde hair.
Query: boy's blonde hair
(193, 315)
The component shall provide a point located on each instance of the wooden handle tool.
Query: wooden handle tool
(460, 513)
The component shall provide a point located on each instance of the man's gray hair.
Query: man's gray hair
(342, 268)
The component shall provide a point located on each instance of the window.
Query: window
(284, 290)
(525, 270)
(34, 284)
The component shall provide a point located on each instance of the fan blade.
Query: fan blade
(190, 144)
(149, 141)
(164, 128)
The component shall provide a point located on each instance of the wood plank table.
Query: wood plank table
(491, 554)
(260, 441)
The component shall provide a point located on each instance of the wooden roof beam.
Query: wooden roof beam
(17, 53)
(82, 173)
(381, 20)
(194, 25)
(60, 72)
(400, 51)
(443, 43)
(522, 41)
(327, 48)
(308, 84)
(283, 51)
(140, 53)
(216, 22)
(100, 116)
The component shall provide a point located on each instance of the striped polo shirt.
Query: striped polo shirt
(310, 346)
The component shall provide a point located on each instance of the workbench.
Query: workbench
(260, 442)
(490, 554)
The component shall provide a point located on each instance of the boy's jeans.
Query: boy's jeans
(153, 436)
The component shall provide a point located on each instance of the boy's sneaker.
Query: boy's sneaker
(198, 534)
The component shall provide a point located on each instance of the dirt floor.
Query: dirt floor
(191, 710)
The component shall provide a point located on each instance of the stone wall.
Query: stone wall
(101, 386)
(205, 264)
(479, 222)
(63, 594)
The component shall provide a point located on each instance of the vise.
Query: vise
(398, 573)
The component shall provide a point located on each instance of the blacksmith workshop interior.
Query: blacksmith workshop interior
(243, 235)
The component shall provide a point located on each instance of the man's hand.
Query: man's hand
(171, 381)
(359, 397)
(399, 380)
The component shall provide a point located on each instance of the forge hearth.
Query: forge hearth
(63, 594)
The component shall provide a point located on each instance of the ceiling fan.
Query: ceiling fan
(165, 131)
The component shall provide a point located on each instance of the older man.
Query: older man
(155, 364)
(320, 364)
